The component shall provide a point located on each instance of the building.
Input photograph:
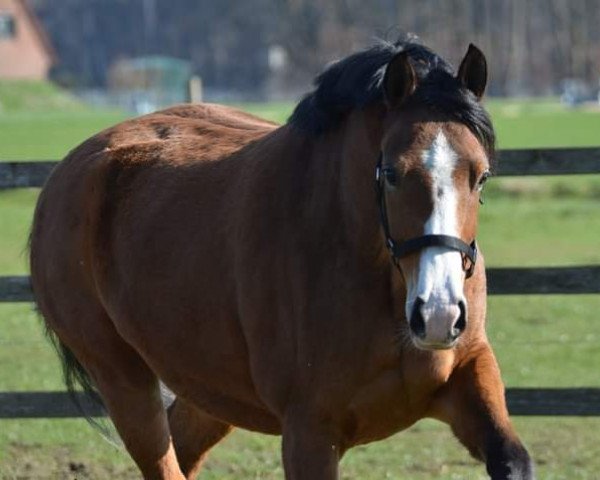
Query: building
(148, 83)
(25, 50)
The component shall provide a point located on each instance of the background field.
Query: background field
(540, 341)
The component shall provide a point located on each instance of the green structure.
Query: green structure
(151, 82)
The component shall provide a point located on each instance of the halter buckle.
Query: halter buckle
(468, 264)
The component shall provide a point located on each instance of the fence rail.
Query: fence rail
(501, 281)
(537, 161)
(549, 161)
(24, 174)
(581, 402)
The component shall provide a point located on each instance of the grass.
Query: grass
(39, 121)
(539, 340)
(424, 452)
(530, 124)
(35, 96)
(49, 135)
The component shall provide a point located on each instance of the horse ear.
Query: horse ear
(399, 80)
(472, 72)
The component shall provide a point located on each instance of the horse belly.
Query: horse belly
(180, 313)
(198, 351)
(192, 340)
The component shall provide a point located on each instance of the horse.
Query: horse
(318, 280)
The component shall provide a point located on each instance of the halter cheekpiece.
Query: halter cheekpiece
(400, 250)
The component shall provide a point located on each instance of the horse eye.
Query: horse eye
(482, 180)
(390, 175)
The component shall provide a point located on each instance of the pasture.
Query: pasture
(550, 341)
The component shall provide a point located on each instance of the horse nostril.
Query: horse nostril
(461, 322)
(417, 322)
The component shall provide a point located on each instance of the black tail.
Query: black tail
(88, 402)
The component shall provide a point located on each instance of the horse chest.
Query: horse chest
(397, 397)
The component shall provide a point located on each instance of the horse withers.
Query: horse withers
(318, 280)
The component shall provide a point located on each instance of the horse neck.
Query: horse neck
(342, 167)
(361, 146)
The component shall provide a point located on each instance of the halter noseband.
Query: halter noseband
(400, 250)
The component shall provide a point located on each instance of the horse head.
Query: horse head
(435, 159)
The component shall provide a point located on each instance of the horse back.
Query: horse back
(179, 133)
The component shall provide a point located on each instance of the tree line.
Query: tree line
(531, 45)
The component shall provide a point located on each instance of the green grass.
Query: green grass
(68, 449)
(540, 231)
(50, 135)
(539, 340)
(529, 124)
(35, 96)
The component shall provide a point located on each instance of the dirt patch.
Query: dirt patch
(37, 462)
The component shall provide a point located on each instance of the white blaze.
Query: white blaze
(440, 275)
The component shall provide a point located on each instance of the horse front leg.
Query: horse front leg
(311, 450)
(473, 404)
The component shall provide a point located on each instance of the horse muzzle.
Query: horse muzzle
(437, 326)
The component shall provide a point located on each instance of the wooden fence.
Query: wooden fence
(501, 281)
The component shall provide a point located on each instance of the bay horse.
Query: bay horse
(262, 275)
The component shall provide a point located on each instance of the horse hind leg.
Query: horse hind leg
(128, 387)
(194, 433)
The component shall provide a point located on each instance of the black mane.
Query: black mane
(355, 82)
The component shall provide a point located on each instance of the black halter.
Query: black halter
(399, 250)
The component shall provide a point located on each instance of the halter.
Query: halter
(400, 250)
